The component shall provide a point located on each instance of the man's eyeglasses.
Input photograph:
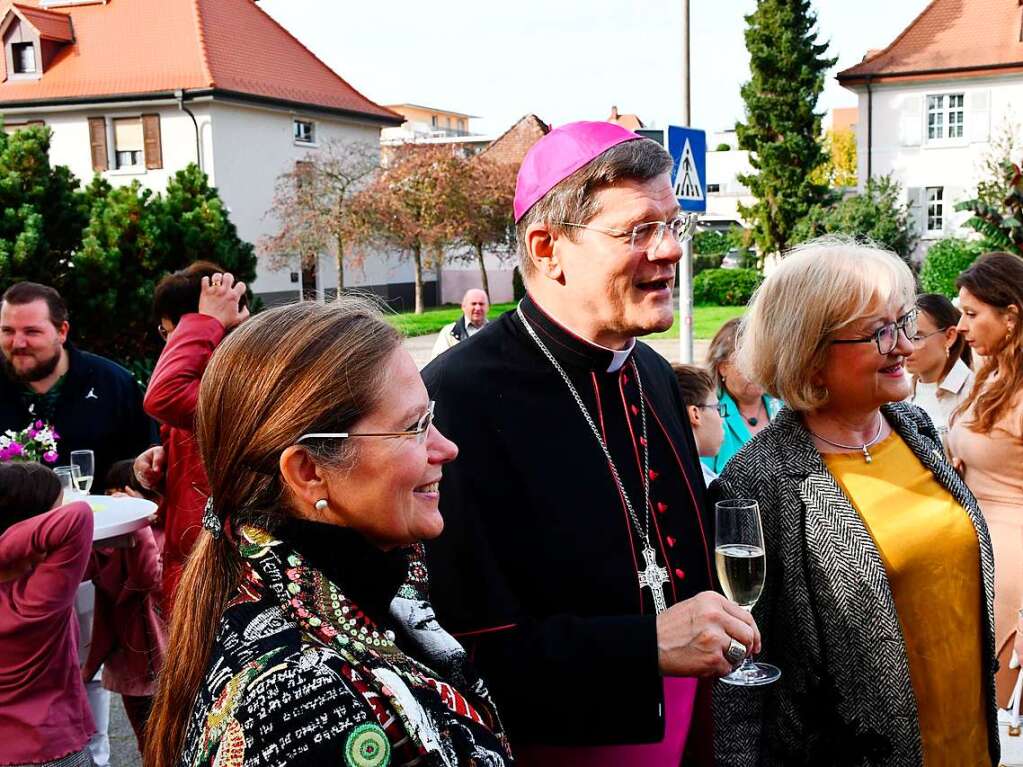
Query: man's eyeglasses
(886, 337)
(419, 431)
(720, 407)
(647, 237)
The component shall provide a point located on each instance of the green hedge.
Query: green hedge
(944, 262)
(726, 287)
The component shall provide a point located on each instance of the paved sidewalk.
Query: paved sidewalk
(421, 346)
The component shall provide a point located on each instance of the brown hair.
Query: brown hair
(26, 489)
(21, 293)
(306, 367)
(177, 294)
(945, 315)
(694, 384)
(721, 348)
(574, 199)
(997, 280)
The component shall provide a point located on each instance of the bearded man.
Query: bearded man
(92, 402)
(575, 559)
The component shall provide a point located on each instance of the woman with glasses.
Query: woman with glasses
(940, 362)
(986, 436)
(301, 640)
(746, 408)
(877, 605)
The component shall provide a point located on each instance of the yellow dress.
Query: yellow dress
(931, 555)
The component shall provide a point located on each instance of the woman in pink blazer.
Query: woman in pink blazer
(44, 713)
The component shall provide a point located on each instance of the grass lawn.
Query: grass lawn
(432, 320)
(706, 320)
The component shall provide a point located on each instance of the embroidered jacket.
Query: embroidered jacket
(300, 675)
(827, 615)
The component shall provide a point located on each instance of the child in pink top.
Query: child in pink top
(44, 714)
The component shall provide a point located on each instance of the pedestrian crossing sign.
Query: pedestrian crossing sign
(688, 148)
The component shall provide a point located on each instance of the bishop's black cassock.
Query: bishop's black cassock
(537, 568)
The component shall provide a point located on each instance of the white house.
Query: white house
(137, 89)
(724, 190)
(930, 102)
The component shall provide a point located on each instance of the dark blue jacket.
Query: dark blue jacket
(99, 408)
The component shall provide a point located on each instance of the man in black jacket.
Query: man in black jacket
(93, 403)
(575, 561)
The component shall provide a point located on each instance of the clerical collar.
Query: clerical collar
(365, 573)
(568, 346)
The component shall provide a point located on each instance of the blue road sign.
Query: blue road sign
(688, 148)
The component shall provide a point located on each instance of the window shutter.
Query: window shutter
(978, 116)
(911, 121)
(98, 143)
(151, 139)
(916, 196)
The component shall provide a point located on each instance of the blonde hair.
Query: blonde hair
(820, 288)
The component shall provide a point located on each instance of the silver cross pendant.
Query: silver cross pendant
(654, 577)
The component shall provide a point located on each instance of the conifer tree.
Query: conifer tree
(782, 129)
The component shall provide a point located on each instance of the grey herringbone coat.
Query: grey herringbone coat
(827, 615)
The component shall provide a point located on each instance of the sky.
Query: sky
(566, 60)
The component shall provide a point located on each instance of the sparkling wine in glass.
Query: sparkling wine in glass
(85, 460)
(742, 568)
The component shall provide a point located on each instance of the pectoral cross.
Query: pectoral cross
(654, 578)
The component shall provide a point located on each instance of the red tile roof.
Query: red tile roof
(137, 47)
(950, 38)
(49, 25)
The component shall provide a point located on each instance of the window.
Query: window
(129, 143)
(434, 121)
(935, 209)
(24, 55)
(305, 132)
(945, 116)
(711, 188)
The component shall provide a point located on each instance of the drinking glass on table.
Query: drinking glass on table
(85, 460)
(742, 567)
(68, 476)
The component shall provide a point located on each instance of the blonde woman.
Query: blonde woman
(745, 408)
(986, 439)
(878, 598)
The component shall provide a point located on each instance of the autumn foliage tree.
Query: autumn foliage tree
(482, 218)
(312, 205)
(407, 207)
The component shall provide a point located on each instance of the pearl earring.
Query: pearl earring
(321, 504)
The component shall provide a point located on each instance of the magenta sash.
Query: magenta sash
(679, 700)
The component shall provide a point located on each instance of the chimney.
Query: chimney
(614, 112)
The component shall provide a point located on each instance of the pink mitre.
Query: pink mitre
(561, 153)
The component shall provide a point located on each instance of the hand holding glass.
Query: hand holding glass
(742, 568)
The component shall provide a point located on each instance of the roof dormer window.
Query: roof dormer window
(24, 58)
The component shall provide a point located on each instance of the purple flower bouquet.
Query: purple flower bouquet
(36, 442)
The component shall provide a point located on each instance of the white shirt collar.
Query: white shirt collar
(618, 358)
(956, 378)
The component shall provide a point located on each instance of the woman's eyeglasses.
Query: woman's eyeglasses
(419, 431)
(886, 337)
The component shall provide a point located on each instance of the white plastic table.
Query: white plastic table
(116, 515)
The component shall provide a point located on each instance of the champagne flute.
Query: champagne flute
(85, 460)
(742, 567)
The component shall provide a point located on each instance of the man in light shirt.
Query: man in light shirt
(475, 306)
